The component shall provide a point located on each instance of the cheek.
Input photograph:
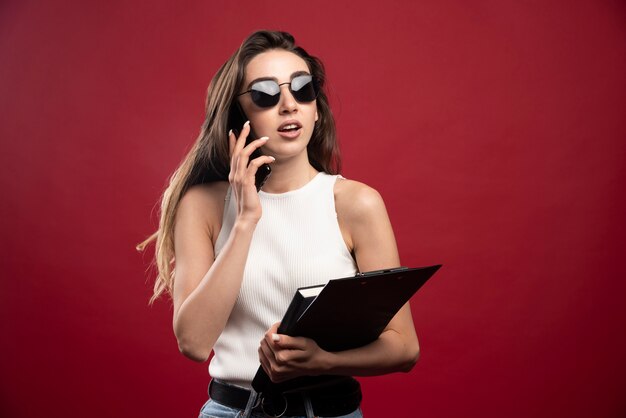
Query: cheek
(261, 124)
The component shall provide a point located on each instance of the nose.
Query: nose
(287, 103)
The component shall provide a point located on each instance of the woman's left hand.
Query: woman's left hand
(284, 357)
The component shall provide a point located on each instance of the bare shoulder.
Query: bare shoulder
(203, 197)
(356, 201)
(365, 225)
(205, 194)
(203, 203)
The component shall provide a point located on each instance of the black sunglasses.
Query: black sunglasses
(266, 93)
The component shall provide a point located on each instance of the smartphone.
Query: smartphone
(236, 119)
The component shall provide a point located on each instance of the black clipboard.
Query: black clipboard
(346, 313)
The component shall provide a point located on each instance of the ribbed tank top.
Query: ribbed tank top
(297, 242)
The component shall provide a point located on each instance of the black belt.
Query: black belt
(332, 400)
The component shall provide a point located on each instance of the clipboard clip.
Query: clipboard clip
(377, 272)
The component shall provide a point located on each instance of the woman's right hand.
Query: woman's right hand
(242, 173)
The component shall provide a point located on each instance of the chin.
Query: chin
(286, 149)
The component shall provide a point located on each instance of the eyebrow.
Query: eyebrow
(294, 75)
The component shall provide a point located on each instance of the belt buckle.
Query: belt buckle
(263, 399)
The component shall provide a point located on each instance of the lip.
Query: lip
(290, 134)
(290, 122)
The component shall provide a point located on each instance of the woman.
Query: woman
(240, 253)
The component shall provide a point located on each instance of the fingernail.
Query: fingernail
(264, 138)
(230, 132)
(273, 159)
(247, 123)
(275, 337)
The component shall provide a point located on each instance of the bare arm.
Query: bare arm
(367, 230)
(205, 290)
(374, 246)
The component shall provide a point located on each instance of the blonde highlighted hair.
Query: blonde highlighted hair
(209, 160)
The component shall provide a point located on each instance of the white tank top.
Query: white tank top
(296, 243)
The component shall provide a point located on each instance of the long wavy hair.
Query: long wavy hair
(209, 159)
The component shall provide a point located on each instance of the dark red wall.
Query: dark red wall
(494, 130)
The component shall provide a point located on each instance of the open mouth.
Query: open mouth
(289, 127)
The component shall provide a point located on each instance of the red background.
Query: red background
(494, 130)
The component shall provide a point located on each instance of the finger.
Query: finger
(268, 338)
(243, 135)
(240, 142)
(266, 354)
(242, 157)
(232, 140)
(286, 342)
(276, 370)
(266, 351)
(267, 348)
(254, 165)
(233, 136)
(254, 145)
(265, 363)
(283, 357)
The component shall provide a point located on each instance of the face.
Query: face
(289, 124)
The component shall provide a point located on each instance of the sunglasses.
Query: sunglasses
(266, 93)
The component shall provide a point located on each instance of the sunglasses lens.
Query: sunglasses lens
(304, 88)
(265, 93)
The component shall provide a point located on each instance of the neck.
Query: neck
(288, 175)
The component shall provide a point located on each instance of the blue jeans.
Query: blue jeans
(212, 409)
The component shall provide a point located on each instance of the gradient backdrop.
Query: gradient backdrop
(495, 131)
